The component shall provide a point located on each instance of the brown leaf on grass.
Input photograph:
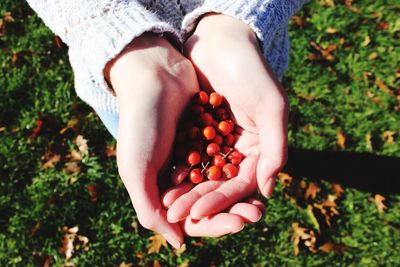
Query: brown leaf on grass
(312, 191)
(368, 139)
(326, 53)
(7, 18)
(349, 5)
(156, 264)
(389, 137)
(71, 124)
(111, 151)
(366, 41)
(303, 236)
(35, 229)
(337, 189)
(72, 167)
(178, 252)
(157, 241)
(331, 30)
(2, 129)
(374, 99)
(299, 21)
(38, 127)
(327, 209)
(57, 41)
(74, 155)
(331, 247)
(14, 58)
(329, 3)
(82, 144)
(383, 26)
(70, 237)
(383, 87)
(341, 139)
(123, 264)
(378, 200)
(50, 163)
(285, 179)
(92, 189)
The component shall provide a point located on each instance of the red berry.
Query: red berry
(221, 114)
(225, 150)
(196, 176)
(213, 173)
(209, 133)
(215, 99)
(193, 158)
(202, 98)
(206, 119)
(217, 139)
(197, 110)
(235, 157)
(229, 139)
(194, 133)
(225, 127)
(229, 170)
(218, 161)
(212, 149)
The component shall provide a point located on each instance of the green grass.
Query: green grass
(326, 96)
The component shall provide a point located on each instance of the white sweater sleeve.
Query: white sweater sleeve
(267, 18)
(96, 31)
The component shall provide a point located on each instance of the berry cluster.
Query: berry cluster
(205, 140)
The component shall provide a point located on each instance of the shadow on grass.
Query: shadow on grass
(363, 171)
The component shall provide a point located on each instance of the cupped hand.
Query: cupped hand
(153, 83)
(227, 59)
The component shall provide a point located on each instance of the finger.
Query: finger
(174, 193)
(136, 168)
(248, 212)
(258, 203)
(213, 226)
(180, 209)
(230, 192)
(272, 124)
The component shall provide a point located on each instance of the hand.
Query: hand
(153, 83)
(227, 59)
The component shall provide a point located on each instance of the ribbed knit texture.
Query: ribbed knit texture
(98, 30)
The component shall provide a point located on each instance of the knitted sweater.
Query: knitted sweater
(98, 30)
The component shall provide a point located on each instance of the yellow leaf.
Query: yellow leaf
(285, 178)
(312, 217)
(389, 136)
(368, 139)
(82, 144)
(341, 139)
(378, 200)
(373, 56)
(331, 30)
(367, 40)
(123, 264)
(337, 189)
(179, 252)
(157, 241)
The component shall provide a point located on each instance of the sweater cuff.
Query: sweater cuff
(265, 17)
(102, 38)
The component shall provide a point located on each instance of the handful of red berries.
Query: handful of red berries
(205, 140)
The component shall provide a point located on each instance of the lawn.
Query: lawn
(337, 202)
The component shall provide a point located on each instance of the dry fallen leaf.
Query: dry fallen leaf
(299, 21)
(179, 252)
(157, 241)
(326, 53)
(366, 41)
(312, 191)
(37, 129)
(70, 237)
(383, 87)
(111, 151)
(305, 235)
(92, 189)
(312, 217)
(349, 5)
(50, 163)
(71, 124)
(82, 144)
(341, 139)
(331, 30)
(337, 189)
(330, 247)
(329, 3)
(368, 139)
(378, 200)
(156, 264)
(389, 137)
(123, 264)
(72, 167)
(285, 179)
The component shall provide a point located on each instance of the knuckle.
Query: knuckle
(147, 222)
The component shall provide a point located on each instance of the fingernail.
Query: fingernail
(174, 242)
(268, 187)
